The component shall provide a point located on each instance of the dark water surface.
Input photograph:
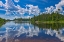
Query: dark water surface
(27, 32)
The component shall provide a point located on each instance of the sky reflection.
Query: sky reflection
(15, 32)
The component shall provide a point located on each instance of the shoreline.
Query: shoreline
(48, 22)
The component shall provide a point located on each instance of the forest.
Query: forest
(48, 18)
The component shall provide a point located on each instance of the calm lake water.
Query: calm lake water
(27, 32)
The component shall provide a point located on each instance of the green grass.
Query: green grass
(49, 22)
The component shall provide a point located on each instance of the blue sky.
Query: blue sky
(10, 9)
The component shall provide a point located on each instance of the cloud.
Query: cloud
(9, 16)
(57, 6)
(27, 17)
(1, 4)
(30, 9)
(16, 0)
(11, 8)
(33, 9)
(21, 10)
(49, 9)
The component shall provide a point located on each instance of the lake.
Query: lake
(27, 32)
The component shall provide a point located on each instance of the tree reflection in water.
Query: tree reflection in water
(26, 32)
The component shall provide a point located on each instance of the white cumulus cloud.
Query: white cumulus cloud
(49, 9)
(11, 8)
(1, 4)
(33, 9)
(60, 6)
(16, 0)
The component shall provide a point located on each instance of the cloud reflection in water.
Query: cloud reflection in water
(10, 31)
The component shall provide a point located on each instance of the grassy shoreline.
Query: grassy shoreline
(48, 22)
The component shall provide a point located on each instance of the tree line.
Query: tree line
(2, 21)
(49, 17)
